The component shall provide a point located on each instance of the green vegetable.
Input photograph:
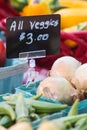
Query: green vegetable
(41, 106)
(82, 26)
(34, 116)
(6, 109)
(18, 4)
(36, 97)
(71, 119)
(69, 122)
(43, 114)
(21, 109)
(81, 124)
(5, 121)
(11, 103)
(46, 107)
(31, 109)
(54, 6)
(74, 108)
(13, 97)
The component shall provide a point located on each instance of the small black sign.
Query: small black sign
(32, 33)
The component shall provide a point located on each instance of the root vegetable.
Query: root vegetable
(80, 78)
(21, 126)
(2, 128)
(74, 109)
(64, 123)
(57, 88)
(49, 125)
(65, 66)
(21, 109)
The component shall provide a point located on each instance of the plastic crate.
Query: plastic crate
(11, 75)
(29, 89)
(1, 35)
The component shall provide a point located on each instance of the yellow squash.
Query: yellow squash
(73, 3)
(36, 9)
(72, 16)
(78, 27)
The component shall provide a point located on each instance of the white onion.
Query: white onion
(80, 78)
(65, 66)
(57, 88)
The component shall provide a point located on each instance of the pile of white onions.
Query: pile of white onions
(68, 78)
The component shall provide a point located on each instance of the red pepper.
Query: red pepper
(2, 53)
(3, 25)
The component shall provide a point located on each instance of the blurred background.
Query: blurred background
(73, 33)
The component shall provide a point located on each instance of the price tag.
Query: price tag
(33, 33)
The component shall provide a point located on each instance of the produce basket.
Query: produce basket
(81, 109)
(32, 89)
(37, 122)
(11, 75)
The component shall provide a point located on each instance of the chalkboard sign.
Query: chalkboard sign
(32, 33)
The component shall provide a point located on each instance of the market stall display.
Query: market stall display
(56, 98)
(67, 122)
(31, 111)
(71, 121)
